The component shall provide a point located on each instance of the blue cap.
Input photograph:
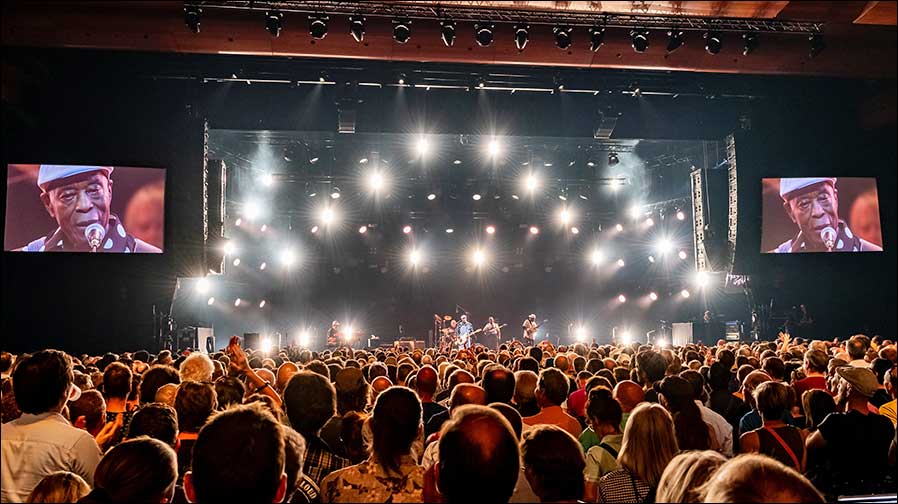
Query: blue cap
(50, 173)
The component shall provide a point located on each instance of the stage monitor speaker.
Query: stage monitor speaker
(681, 333)
(205, 339)
(252, 340)
(733, 330)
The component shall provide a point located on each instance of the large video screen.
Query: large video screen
(820, 214)
(84, 208)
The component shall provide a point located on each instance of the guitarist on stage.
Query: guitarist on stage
(530, 327)
(492, 332)
(464, 332)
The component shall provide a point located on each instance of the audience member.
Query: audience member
(194, 404)
(551, 391)
(524, 397)
(154, 378)
(692, 432)
(685, 474)
(775, 438)
(157, 421)
(604, 414)
(553, 463)
(756, 478)
(651, 367)
(88, 412)
(136, 470)
(721, 430)
(499, 384)
(426, 386)
(60, 486)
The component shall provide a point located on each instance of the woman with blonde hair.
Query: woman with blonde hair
(59, 486)
(649, 445)
(686, 473)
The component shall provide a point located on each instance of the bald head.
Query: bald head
(467, 393)
(285, 372)
(562, 363)
(426, 382)
(628, 394)
(380, 384)
(460, 376)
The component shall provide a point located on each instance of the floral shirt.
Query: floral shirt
(371, 482)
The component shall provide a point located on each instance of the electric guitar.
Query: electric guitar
(530, 334)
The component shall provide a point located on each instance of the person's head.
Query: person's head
(649, 442)
(628, 394)
(750, 383)
(880, 368)
(395, 423)
(815, 361)
(137, 470)
(685, 474)
(42, 381)
(239, 456)
(143, 215)
(758, 478)
(512, 415)
(117, 381)
(229, 390)
(525, 387)
(552, 388)
(285, 372)
(426, 382)
(294, 457)
(773, 399)
(5, 361)
(194, 403)
(499, 384)
(310, 401)
(603, 411)
(167, 393)
(352, 390)
(155, 420)
(466, 393)
(857, 347)
(857, 383)
(651, 366)
(479, 456)
(75, 197)
(812, 204)
(352, 435)
(197, 367)
(774, 367)
(553, 463)
(155, 377)
(697, 381)
(59, 486)
(816, 404)
(88, 412)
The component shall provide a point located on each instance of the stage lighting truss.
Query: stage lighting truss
(274, 22)
(521, 36)
(562, 35)
(483, 34)
(447, 32)
(402, 30)
(318, 27)
(192, 15)
(596, 38)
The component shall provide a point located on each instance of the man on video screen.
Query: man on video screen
(813, 205)
(80, 199)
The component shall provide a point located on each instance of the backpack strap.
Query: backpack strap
(609, 449)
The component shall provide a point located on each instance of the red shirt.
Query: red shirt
(576, 403)
(809, 383)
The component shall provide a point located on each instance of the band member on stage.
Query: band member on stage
(334, 335)
(492, 332)
(463, 332)
(530, 326)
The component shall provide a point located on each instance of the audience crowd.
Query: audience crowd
(781, 421)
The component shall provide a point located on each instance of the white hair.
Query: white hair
(197, 367)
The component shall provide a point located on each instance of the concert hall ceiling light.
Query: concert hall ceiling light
(701, 279)
(565, 216)
(483, 34)
(817, 45)
(422, 146)
(357, 28)
(531, 183)
(406, 229)
(681, 215)
(267, 179)
(192, 15)
(328, 216)
(447, 32)
(211, 301)
(288, 257)
(376, 181)
(581, 334)
(414, 257)
(682, 255)
(521, 36)
(649, 222)
(252, 209)
(653, 296)
(203, 285)
(636, 211)
(596, 38)
(639, 39)
(562, 36)
(685, 293)
(596, 257)
(675, 40)
(229, 248)
(431, 196)
(318, 26)
(749, 43)
(664, 246)
(262, 304)
(363, 229)
(402, 30)
(491, 229)
(713, 42)
(619, 228)
(274, 22)
(621, 298)
(621, 263)
(476, 197)
(534, 230)
(237, 302)
(493, 148)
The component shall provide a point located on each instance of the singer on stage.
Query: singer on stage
(463, 332)
(80, 198)
(813, 205)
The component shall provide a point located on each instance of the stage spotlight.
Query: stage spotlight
(483, 34)
(476, 197)
(562, 36)
(318, 27)
(682, 255)
(447, 32)
(653, 296)
(521, 36)
(491, 229)
(713, 42)
(402, 30)
(478, 258)
(681, 215)
(236, 261)
(619, 228)
(202, 285)
(376, 181)
(266, 345)
(639, 39)
(274, 22)
(237, 302)
(422, 146)
(449, 230)
(262, 303)
(211, 301)
(363, 229)
(534, 230)
(562, 197)
(357, 28)
(750, 43)
(327, 216)
(661, 342)
(596, 257)
(817, 45)
(664, 246)
(229, 248)
(401, 80)
(613, 159)
(622, 299)
(192, 17)
(636, 211)
(581, 334)
(350, 333)
(267, 179)
(596, 38)
(414, 257)
(649, 221)
(575, 230)
(684, 293)
(304, 339)
(364, 160)
(493, 148)
(288, 257)
(675, 40)
(238, 222)
(564, 216)
(406, 229)
(252, 209)
(431, 196)
(531, 183)
(335, 194)
(652, 259)
(701, 279)
(621, 263)
(263, 266)
(263, 228)
(314, 229)
(626, 338)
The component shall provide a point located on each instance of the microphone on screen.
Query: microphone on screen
(94, 234)
(828, 235)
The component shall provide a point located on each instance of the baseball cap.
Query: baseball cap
(790, 185)
(861, 379)
(52, 173)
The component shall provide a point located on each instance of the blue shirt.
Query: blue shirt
(752, 420)
(464, 328)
